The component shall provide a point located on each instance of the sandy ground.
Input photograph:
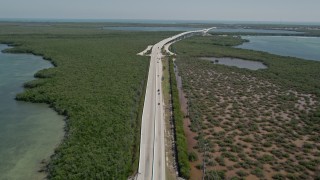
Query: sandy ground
(253, 127)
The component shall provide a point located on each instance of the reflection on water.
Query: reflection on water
(240, 63)
(28, 132)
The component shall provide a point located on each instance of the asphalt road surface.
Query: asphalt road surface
(152, 146)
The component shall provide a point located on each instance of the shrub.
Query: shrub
(242, 173)
(215, 175)
(266, 158)
(278, 177)
(193, 156)
(220, 160)
(258, 172)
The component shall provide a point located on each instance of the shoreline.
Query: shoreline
(43, 164)
(97, 84)
(220, 117)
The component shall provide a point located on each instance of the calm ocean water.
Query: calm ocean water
(28, 132)
(295, 46)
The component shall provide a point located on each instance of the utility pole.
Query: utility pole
(204, 162)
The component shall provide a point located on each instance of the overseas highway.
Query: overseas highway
(152, 143)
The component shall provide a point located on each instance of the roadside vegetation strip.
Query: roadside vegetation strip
(178, 117)
(98, 84)
(137, 128)
(252, 119)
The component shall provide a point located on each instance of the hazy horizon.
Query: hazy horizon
(144, 20)
(207, 10)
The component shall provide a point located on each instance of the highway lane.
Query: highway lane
(152, 145)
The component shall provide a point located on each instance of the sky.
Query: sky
(215, 10)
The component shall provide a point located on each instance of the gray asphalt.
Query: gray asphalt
(152, 146)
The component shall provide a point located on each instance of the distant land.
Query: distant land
(135, 94)
(152, 21)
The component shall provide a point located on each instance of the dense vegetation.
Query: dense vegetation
(299, 74)
(181, 142)
(97, 83)
(254, 124)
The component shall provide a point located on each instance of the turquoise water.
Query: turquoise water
(28, 132)
(301, 47)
